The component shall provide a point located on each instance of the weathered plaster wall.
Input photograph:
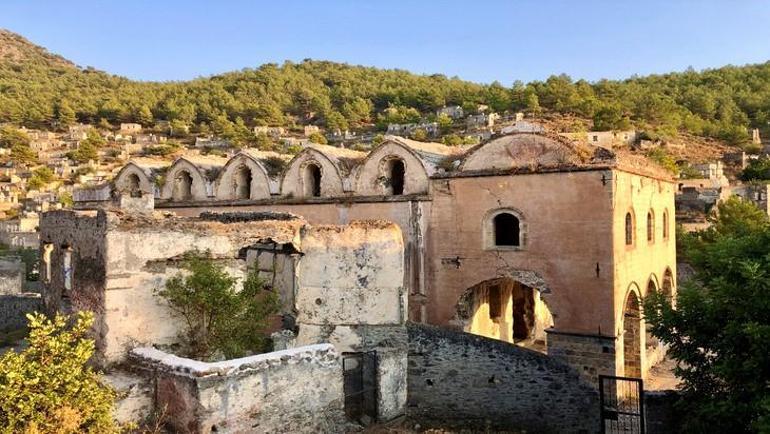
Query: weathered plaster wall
(476, 382)
(644, 261)
(411, 216)
(350, 293)
(567, 254)
(296, 390)
(140, 261)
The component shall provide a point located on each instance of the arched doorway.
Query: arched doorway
(312, 180)
(243, 183)
(396, 172)
(632, 355)
(504, 309)
(182, 186)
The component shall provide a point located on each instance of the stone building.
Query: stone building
(528, 238)
(340, 286)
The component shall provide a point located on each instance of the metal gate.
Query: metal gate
(622, 405)
(360, 386)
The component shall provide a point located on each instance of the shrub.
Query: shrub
(47, 388)
(220, 321)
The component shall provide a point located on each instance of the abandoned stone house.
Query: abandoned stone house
(528, 238)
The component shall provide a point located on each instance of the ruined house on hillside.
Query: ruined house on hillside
(528, 238)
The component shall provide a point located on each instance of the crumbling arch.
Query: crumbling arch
(243, 177)
(388, 164)
(504, 308)
(184, 181)
(632, 338)
(302, 180)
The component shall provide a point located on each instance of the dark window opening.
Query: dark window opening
(134, 186)
(243, 183)
(665, 225)
(650, 227)
(495, 302)
(182, 186)
(506, 230)
(360, 386)
(313, 180)
(397, 172)
(629, 229)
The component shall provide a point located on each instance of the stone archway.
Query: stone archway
(504, 308)
(632, 352)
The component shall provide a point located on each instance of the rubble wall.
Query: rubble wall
(468, 381)
(297, 390)
(14, 308)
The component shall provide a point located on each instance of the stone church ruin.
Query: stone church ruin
(418, 279)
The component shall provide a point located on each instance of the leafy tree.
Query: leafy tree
(65, 116)
(10, 137)
(48, 387)
(664, 159)
(144, 116)
(719, 332)
(65, 199)
(318, 138)
(41, 177)
(420, 134)
(757, 170)
(85, 152)
(219, 319)
(23, 155)
(444, 122)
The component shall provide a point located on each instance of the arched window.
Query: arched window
(67, 269)
(629, 229)
(312, 180)
(243, 183)
(668, 283)
(507, 230)
(182, 186)
(665, 224)
(134, 185)
(650, 226)
(396, 171)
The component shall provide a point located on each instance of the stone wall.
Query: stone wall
(296, 390)
(591, 355)
(476, 382)
(14, 308)
(12, 273)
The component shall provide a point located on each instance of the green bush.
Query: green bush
(48, 387)
(220, 321)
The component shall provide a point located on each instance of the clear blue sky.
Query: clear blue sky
(476, 40)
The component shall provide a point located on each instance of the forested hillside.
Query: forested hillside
(39, 89)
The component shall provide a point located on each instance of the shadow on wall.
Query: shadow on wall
(467, 381)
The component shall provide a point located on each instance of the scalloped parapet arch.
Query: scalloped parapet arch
(198, 188)
(519, 150)
(260, 180)
(292, 184)
(370, 175)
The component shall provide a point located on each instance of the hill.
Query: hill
(39, 89)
